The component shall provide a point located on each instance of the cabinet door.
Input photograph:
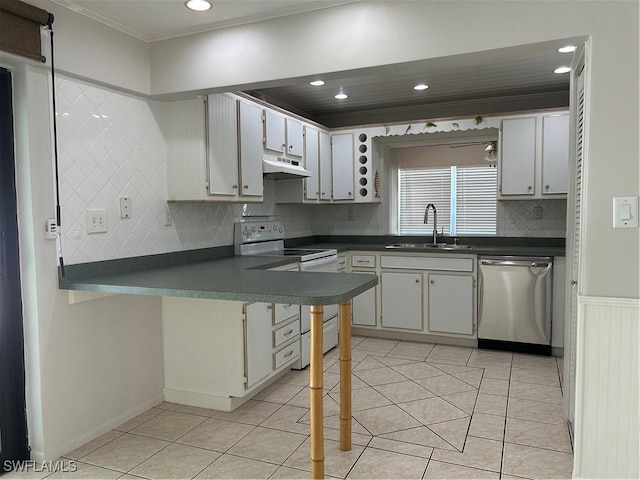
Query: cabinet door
(223, 145)
(518, 156)
(402, 300)
(326, 183)
(555, 154)
(363, 307)
(342, 166)
(258, 349)
(294, 137)
(274, 138)
(451, 304)
(311, 157)
(251, 149)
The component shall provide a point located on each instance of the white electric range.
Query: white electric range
(266, 237)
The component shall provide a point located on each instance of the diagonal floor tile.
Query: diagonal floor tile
(472, 378)
(444, 385)
(376, 463)
(169, 425)
(419, 436)
(376, 345)
(287, 419)
(231, 467)
(465, 401)
(79, 470)
(535, 434)
(368, 363)
(215, 434)
(418, 370)
(279, 393)
(432, 410)
(139, 420)
(491, 404)
(531, 462)
(252, 413)
(125, 452)
(176, 461)
(450, 354)
(404, 391)
(478, 453)
(379, 376)
(96, 443)
(393, 361)
(453, 431)
(385, 419)
(494, 386)
(364, 398)
(412, 349)
(487, 426)
(441, 470)
(267, 445)
(401, 447)
(337, 463)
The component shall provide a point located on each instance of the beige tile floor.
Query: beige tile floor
(419, 411)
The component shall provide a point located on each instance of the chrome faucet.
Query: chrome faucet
(435, 221)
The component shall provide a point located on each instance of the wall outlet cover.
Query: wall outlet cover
(96, 220)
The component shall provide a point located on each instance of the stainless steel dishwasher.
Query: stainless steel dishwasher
(514, 303)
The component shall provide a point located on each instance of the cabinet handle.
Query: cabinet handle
(235, 187)
(349, 193)
(573, 282)
(417, 280)
(290, 147)
(288, 354)
(433, 282)
(268, 307)
(287, 333)
(529, 187)
(246, 187)
(546, 187)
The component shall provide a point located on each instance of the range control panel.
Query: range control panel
(251, 232)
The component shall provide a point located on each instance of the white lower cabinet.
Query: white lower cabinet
(402, 300)
(363, 307)
(451, 304)
(258, 349)
(218, 353)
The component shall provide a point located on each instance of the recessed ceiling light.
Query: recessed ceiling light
(341, 95)
(567, 49)
(198, 5)
(317, 83)
(562, 70)
(421, 86)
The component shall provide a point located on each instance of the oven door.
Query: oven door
(325, 264)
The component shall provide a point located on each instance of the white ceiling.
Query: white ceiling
(152, 20)
(498, 81)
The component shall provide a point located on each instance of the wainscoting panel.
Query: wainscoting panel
(607, 400)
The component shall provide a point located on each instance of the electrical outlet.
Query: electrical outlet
(125, 207)
(167, 220)
(96, 220)
(537, 212)
(52, 229)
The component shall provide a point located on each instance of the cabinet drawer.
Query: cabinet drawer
(287, 354)
(286, 333)
(284, 312)
(363, 261)
(428, 263)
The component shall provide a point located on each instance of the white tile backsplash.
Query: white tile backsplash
(111, 144)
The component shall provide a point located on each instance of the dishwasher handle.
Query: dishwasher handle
(515, 263)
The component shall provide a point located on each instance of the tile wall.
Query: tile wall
(111, 144)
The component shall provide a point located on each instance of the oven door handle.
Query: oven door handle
(311, 264)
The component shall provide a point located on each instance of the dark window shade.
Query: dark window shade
(20, 28)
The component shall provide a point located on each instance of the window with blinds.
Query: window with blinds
(465, 197)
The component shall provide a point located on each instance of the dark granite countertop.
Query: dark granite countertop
(215, 273)
(244, 279)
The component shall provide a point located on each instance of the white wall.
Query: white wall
(367, 33)
(89, 366)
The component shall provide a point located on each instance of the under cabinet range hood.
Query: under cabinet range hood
(278, 168)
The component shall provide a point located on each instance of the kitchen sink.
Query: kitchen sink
(429, 246)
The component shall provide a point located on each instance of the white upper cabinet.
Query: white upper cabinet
(326, 180)
(311, 155)
(283, 134)
(534, 157)
(223, 145)
(518, 156)
(251, 151)
(555, 154)
(342, 166)
(275, 133)
(295, 138)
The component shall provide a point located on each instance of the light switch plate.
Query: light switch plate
(625, 212)
(96, 220)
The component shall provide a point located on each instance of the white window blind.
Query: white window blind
(476, 199)
(417, 188)
(465, 197)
